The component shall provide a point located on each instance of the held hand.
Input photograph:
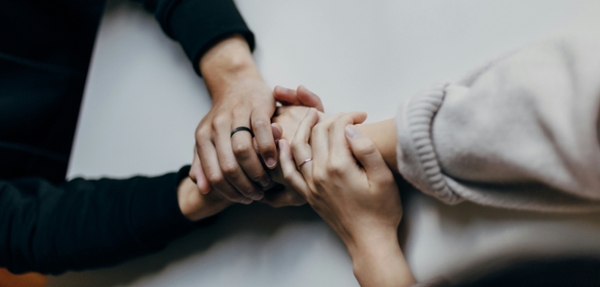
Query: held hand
(353, 200)
(296, 104)
(361, 203)
(287, 118)
(299, 97)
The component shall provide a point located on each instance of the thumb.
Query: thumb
(309, 99)
(277, 131)
(197, 175)
(366, 153)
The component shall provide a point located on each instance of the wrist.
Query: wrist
(372, 242)
(227, 62)
(196, 206)
(383, 135)
(379, 261)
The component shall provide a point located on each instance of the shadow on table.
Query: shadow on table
(239, 219)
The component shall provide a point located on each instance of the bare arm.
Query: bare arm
(383, 135)
(360, 203)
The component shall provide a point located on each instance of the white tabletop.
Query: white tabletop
(143, 101)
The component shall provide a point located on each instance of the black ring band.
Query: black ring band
(242, 128)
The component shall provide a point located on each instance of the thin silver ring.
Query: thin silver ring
(305, 162)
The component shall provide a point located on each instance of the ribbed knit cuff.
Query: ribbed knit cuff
(155, 215)
(417, 159)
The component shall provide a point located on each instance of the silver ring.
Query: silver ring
(304, 162)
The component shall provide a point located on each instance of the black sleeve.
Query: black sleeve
(87, 223)
(199, 24)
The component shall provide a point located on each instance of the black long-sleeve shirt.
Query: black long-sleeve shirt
(47, 224)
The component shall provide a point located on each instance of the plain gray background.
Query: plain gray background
(143, 101)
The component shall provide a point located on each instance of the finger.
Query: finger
(197, 174)
(367, 154)
(286, 96)
(320, 142)
(339, 149)
(281, 196)
(242, 145)
(214, 176)
(277, 131)
(300, 148)
(289, 170)
(232, 171)
(263, 133)
(308, 98)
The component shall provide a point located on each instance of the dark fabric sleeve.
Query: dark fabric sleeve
(199, 24)
(87, 223)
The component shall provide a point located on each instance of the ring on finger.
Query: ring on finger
(304, 162)
(241, 128)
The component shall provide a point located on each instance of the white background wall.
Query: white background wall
(143, 102)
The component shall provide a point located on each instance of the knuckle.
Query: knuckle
(367, 148)
(219, 121)
(335, 168)
(257, 176)
(201, 133)
(295, 146)
(229, 168)
(260, 121)
(242, 150)
(232, 196)
(320, 178)
(287, 175)
(214, 178)
(318, 128)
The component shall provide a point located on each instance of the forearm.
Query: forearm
(383, 135)
(86, 223)
(229, 61)
(379, 261)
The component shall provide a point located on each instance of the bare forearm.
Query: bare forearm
(379, 261)
(227, 62)
(383, 135)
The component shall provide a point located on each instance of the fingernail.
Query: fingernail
(352, 132)
(257, 195)
(246, 201)
(285, 89)
(265, 182)
(271, 162)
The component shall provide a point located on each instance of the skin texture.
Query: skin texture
(237, 166)
(240, 98)
(361, 203)
(383, 134)
(195, 205)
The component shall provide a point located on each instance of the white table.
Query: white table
(143, 101)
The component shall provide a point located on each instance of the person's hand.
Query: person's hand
(241, 98)
(349, 185)
(278, 195)
(296, 103)
(195, 205)
(299, 97)
(353, 199)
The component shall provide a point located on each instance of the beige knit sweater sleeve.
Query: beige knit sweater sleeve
(521, 132)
